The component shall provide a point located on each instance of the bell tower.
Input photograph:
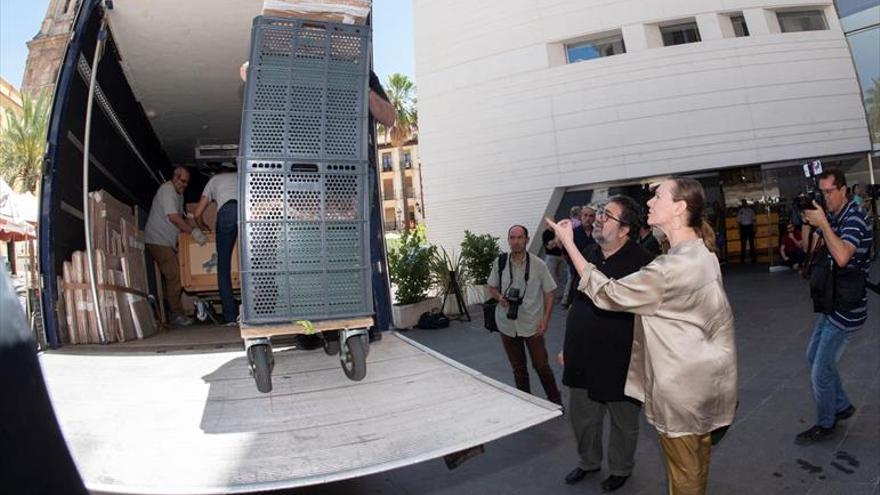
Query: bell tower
(46, 49)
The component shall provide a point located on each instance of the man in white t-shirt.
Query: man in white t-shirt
(745, 217)
(223, 190)
(166, 221)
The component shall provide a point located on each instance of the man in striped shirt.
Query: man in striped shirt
(847, 236)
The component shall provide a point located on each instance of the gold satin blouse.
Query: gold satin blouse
(683, 361)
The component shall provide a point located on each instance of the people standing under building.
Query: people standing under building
(574, 214)
(792, 249)
(555, 262)
(222, 189)
(582, 238)
(597, 350)
(745, 217)
(857, 197)
(719, 215)
(683, 362)
(165, 222)
(846, 235)
(524, 291)
(646, 239)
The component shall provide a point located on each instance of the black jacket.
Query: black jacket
(597, 342)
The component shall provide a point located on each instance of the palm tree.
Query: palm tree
(23, 143)
(872, 105)
(402, 95)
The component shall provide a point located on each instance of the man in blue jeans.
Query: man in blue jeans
(223, 189)
(847, 236)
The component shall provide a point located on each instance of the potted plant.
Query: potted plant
(444, 269)
(478, 252)
(409, 267)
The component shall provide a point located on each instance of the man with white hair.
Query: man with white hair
(166, 221)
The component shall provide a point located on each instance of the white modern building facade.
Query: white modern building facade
(523, 102)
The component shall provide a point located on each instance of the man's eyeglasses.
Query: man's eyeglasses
(602, 214)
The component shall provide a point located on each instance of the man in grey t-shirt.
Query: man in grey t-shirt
(166, 221)
(525, 278)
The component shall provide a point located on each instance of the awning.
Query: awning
(12, 232)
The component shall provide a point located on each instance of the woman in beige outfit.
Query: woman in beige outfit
(683, 361)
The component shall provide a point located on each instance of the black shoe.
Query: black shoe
(578, 474)
(845, 414)
(815, 434)
(613, 482)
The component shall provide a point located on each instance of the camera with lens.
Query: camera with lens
(514, 299)
(805, 200)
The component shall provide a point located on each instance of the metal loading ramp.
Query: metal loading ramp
(187, 423)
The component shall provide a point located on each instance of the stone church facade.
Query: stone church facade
(46, 49)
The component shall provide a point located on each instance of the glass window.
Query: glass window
(864, 47)
(588, 50)
(407, 159)
(846, 8)
(386, 162)
(740, 28)
(805, 20)
(680, 34)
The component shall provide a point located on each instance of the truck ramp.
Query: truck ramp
(193, 422)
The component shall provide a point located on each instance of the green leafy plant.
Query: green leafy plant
(445, 267)
(477, 254)
(409, 266)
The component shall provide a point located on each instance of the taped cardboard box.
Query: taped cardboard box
(343, 11)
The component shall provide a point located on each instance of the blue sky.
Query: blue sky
(392, 36)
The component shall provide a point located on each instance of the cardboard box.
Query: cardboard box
(343, 11)
(198, 264)
(210, 214)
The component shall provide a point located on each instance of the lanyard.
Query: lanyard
(510, 271)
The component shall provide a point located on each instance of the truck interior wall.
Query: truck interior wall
(120, 172)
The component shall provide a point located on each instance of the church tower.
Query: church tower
(46, 49)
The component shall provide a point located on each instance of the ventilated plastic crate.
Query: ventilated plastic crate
(304, 240)
(296, 43)
(306, 94)
(303, 173)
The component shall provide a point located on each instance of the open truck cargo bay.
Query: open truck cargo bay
(190, 421)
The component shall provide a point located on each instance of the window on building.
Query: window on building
(860, 20)
(740, 29)
(386, 162)
(600, 47)
(804, 20)
(407, 159)
(680, 34)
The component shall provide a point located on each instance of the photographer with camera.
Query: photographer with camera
(837, 285)
(524, 291)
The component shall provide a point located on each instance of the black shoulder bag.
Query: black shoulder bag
(490, 304)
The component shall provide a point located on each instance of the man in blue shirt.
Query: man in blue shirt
(847, 236)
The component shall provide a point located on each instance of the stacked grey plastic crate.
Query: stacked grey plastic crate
(303, 173)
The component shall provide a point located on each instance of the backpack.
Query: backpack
(432, 320)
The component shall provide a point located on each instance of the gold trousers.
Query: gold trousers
(687, 463)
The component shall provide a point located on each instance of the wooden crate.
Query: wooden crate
(198, 264)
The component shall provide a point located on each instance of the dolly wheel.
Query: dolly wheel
(261, 356)
(354, 362)
(331, 347)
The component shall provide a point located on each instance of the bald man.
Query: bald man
(166, 221)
